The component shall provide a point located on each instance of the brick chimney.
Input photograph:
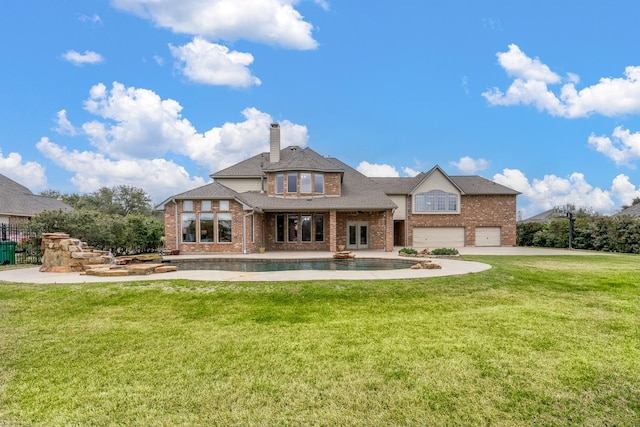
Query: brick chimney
(274, 143)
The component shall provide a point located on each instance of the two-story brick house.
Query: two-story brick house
(295, 199)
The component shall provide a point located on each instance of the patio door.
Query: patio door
(358, 235)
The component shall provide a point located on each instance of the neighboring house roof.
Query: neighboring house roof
(545, 216)
(631, 211)
(18, 200)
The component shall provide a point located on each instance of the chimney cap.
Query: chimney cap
(275, 125)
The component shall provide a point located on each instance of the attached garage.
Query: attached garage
(438, 237)
(488, 236)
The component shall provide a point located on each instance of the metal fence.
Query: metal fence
(19, 244)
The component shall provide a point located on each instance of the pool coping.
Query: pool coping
(449, 267)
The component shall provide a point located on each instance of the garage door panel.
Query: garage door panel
(438, 237)
(488, 236)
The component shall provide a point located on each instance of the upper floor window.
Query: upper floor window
(305, 182)
(279, 183)
(292, 182)
(187, 205)
(318, 183)
(436, 201)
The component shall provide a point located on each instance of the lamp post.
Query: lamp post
(571, 220)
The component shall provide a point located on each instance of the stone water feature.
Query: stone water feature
(64, 254)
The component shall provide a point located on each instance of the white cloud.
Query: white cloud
(470, 166)
(410, 172)
(88, 57)
(622, 147)
(93, 19)
(322, 3)
(214, 64)
(609, 97)
(158, 177)
(135, 128)
(273, 22)
(64, 125)
(540, 195)
(138, 123)
(29, 174)
(377, 170)
(624, 190)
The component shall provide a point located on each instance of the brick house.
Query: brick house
(295, 199)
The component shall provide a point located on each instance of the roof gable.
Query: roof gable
(211, 191)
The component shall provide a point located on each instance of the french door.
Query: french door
(358, 235)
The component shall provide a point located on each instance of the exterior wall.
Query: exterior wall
(380, 231)
(475, 211)
(332, 185)
(380, 228)
(270, 234)
(172, 229)
(14, 220)
(241, 185)
(437, 181)
(401, 210)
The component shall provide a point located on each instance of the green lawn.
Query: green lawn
(533, 341)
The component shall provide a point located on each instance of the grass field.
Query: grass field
(533, 341)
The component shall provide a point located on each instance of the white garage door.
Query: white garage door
(487, 236)
(438, 237)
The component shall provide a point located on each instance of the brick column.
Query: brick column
(388, 231)
(333, 245)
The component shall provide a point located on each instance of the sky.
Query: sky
(543, 97)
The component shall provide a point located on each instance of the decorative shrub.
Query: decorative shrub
(445, 251)
(408, 251)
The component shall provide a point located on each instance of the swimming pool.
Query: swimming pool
(264, 265)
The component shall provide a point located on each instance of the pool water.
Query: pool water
(263, 265)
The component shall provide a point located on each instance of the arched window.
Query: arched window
(436, 201)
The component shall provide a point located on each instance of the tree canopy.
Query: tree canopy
(119, 200)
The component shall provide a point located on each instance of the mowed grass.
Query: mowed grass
(533, 341)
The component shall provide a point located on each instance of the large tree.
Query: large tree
(119, 200)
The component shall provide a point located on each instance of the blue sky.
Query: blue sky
(542, 97)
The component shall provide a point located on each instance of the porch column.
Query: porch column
(333, 242)
(388, 237)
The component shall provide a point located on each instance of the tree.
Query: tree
(120, 200)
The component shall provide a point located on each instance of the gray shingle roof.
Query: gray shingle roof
(211, 191)
(18, 200)
(468, 184)
(291, 158)
(631, 211)
(358, 193)
(477, 185)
